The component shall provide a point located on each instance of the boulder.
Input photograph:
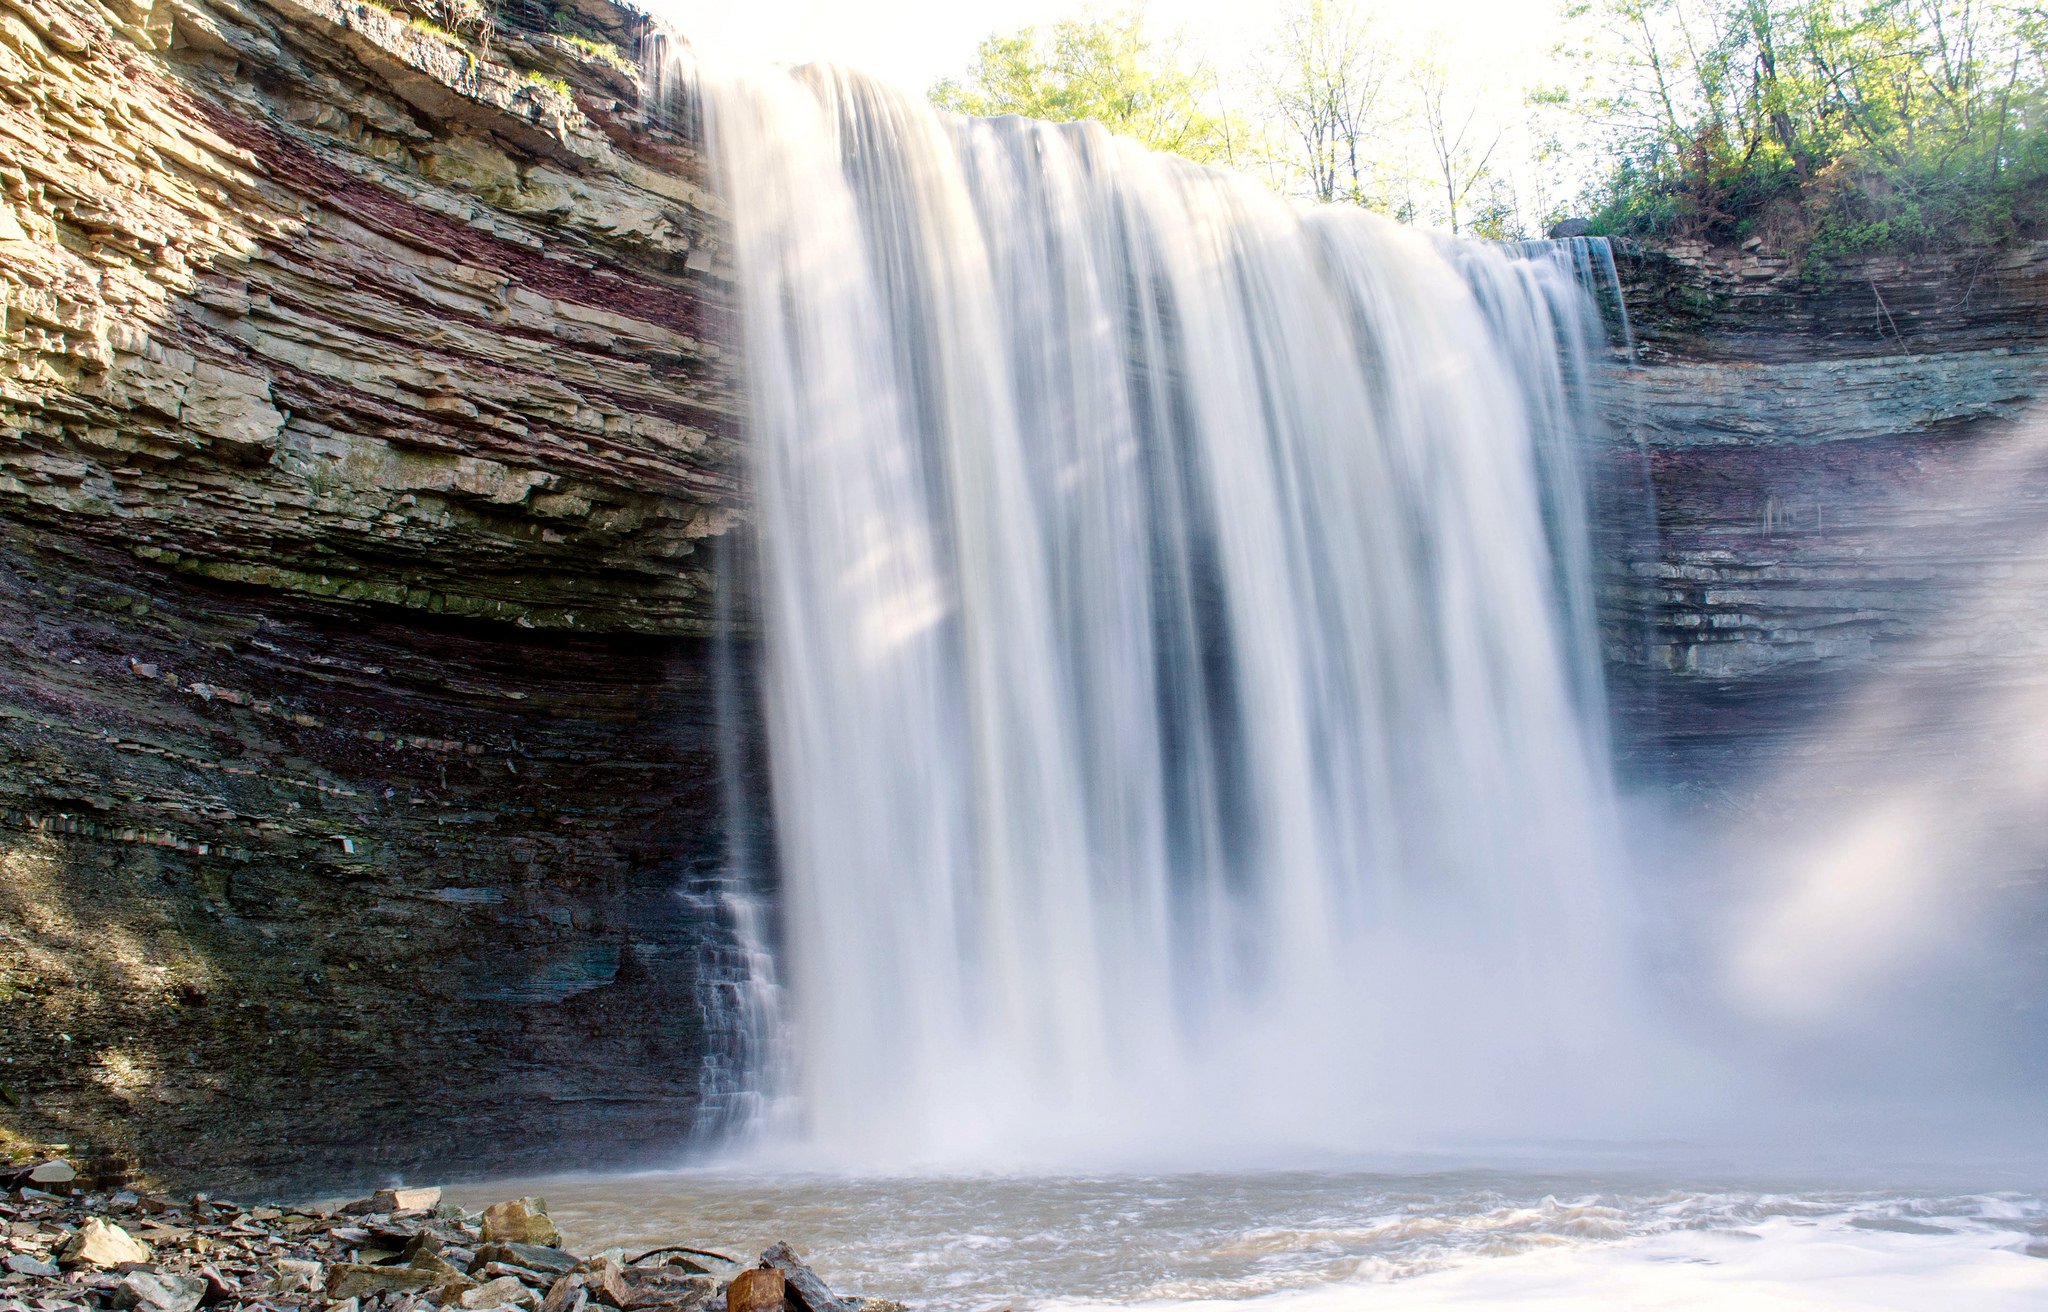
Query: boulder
(22, 1264)
(520, 1221)
(505, 1291)
(1564, 229)
(759, 1290)
(149, 1291)
(806, 1291)
(102, 1243)
(54, 1171)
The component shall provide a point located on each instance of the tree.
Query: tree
(1105, 70)
(1324, 83)
(1463, 157)
(1831, 126)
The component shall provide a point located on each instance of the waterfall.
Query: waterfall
(1180, 670)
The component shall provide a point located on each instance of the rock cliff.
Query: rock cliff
(1837, 460)
(364, 432)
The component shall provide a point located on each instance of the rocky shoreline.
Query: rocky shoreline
(65, 1249)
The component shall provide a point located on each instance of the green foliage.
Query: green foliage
(459, 18)
(1105, 70)
(458, 22)
(604, 52)
(1830, 127)
(557, 85)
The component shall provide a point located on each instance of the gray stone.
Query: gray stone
(159, 1292)
(56, 1171)
(505, 1291)
(22, 1264)
(668, 1287)
(534, 1257)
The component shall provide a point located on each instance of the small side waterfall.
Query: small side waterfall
(1181, 671)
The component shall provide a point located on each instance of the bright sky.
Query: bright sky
(915, 42)
(1496, 50)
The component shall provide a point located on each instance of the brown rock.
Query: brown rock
(407, 1200)
(358, 1279)
(607, 1283)
(102, 1243)
(760, 1290)
(435, 1264)
(807, 1292)
(293, 1275)
(566, 1295)
(520, 1221)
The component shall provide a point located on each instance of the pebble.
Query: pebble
(400, 1250)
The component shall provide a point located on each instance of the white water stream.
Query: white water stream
(1197, 861)
(1179, 650)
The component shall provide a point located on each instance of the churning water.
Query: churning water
(1332, 1242)
(1181, 682)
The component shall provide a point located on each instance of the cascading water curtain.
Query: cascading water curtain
(1175, 700)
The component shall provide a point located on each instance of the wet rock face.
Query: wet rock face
(1836, 457)
(362, 443)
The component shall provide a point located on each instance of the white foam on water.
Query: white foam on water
(1779, 1265)
(1326, 1242)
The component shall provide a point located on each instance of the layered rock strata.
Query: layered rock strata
(362, 433)
(1842, 472)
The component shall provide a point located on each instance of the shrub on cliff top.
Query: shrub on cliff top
(1832, 127)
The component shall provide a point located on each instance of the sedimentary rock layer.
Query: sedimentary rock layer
(361, 432)
(1838, 463)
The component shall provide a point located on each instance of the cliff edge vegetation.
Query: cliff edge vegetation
(1826, 128)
